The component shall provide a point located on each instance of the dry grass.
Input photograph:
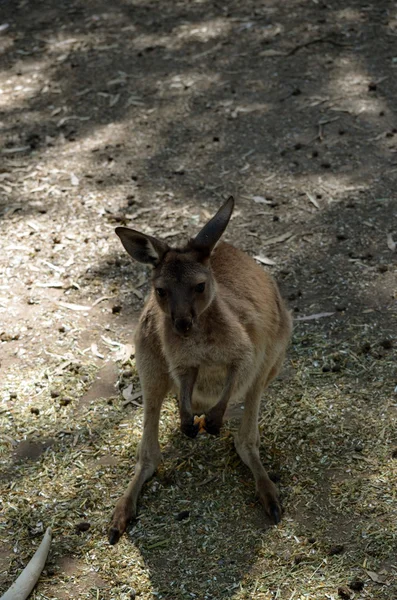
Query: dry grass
(201, 534)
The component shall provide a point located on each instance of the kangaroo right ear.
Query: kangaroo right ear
(143, 248)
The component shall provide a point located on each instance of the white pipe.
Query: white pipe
(22, 587)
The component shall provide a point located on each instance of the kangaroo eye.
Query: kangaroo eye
(200, 287)
(161, 292)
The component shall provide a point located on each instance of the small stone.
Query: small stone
(65, 401)
(311, 540)
(358, 448)
(344, 593)
(387, 344)
(356, 585)
(54, 393)
(184, 514)
(337, 549)
(83, 526)
(365, 348)
(299, 558)
(132, 594)
(34, 411)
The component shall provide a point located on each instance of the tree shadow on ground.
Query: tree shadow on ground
(292, 104)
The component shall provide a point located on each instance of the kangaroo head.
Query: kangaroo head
(182, 278)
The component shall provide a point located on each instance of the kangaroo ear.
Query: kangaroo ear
(143, 248)
(206, 239)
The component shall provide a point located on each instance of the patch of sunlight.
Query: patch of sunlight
(177, 38)
(346, 15)
(351, 79)
(334, 184)
(204, 31)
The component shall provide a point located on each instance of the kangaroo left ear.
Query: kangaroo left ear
(210, 234)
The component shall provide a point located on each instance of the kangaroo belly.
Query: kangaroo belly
(208, 387)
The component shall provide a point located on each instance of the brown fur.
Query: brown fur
(234, 347)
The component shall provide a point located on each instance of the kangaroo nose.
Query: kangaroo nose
(183, 325)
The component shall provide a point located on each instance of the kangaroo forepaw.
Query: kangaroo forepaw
(123, 514)
(189, 428)
(213, 423)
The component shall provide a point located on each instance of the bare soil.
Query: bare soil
(148, 114)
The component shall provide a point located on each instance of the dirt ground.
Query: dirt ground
(148, 114)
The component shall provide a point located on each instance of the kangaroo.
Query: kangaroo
(214, 330)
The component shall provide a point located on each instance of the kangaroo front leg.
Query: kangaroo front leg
(247, 446)
(214, 417)
(187, 380)
(149, 456)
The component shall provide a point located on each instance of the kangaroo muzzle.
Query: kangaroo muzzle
(183, 325)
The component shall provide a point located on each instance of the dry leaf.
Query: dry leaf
(95, 352)
(278, 239)
(315, 316)
(313, 200)
(124, 353)
(264, 260)
(171, 233)
(271, 52)
(375, 577)
(15, 150)
(113, 100)
(391, 244)
(73, 306)
(129, 397)
(261, 200)
(101, 299)
(50, 284)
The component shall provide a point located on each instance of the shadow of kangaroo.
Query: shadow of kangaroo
(214, 330)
